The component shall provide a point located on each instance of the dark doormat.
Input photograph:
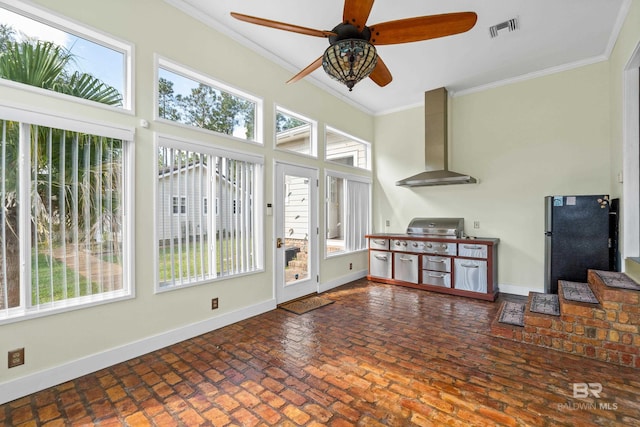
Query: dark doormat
(305, 305)
(545, 304)
(512, 313)
(576, 291)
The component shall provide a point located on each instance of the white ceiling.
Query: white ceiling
(552, 35)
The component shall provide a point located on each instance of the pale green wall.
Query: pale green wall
(523, 141)
(154, 27)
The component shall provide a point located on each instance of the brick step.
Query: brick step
(298, 264)
(506, 330)
(570, 308)
(607, 330)
(545, 304)
(606, 287)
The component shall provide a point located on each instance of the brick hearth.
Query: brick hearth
(607, 331)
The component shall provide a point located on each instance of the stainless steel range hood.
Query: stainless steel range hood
(436, 150)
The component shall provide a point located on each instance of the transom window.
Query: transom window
(347, 150)
(194, 247)
(63, 213)
(295, 133)
(60, 56)
(189, 98)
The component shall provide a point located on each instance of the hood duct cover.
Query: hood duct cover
(436, 149)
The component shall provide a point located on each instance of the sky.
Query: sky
(102, 62)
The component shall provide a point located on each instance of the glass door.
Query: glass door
(296, 232)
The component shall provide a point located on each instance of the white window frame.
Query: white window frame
(346, 215)
(181, 205)
(53, 120)
(257, 205)
(83, 31)
(313, 133)
(329, 158)
(191, 74)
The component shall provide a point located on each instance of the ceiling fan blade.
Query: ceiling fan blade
(282, 25)
(422, 28)
(381, 75)
(306, 71)
(356, 12)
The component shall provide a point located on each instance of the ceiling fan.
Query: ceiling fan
(351, 55)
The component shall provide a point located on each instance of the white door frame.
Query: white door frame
(630, 230)
(296, 289)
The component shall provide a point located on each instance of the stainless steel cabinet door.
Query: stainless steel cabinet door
(406, 267)
(470, 275)
(436, 278)
(436, 263)
(472, 251)
(382, 244)
(380, 264)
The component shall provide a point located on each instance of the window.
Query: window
(186, 97)
(60, 56)
(196, 247)
(179, 205)
(347, 150)
(348, 212)
(63, 195)
(295, 133)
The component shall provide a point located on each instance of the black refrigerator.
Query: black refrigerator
(579, 235)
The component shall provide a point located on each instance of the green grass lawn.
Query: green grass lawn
(53, 280)
(51, 276)
(197, 260)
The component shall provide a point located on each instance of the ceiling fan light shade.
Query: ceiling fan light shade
(349, 61)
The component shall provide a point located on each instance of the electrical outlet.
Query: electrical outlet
(476, 224)
(16, 357)
(387, 223)
(350, 266)
(214, 303)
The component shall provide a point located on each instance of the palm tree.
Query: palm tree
(44, 65)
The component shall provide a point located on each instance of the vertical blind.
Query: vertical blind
(62, 214)
(196, 243)
(357, 218)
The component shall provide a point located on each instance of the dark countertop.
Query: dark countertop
(479, 240)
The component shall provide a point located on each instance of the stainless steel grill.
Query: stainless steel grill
(443, 228)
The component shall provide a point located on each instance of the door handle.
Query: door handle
(279, 242)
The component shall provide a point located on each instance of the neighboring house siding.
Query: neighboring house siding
(191, 183)
(297, 209)
(339, 147)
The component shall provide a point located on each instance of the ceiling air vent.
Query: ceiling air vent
(512, 25)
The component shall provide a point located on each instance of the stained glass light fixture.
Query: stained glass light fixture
(349, 61)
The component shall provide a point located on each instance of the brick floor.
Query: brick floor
(380, 356)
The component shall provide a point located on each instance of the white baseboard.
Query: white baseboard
(517, 290)
(323, 287)
(37, 381)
